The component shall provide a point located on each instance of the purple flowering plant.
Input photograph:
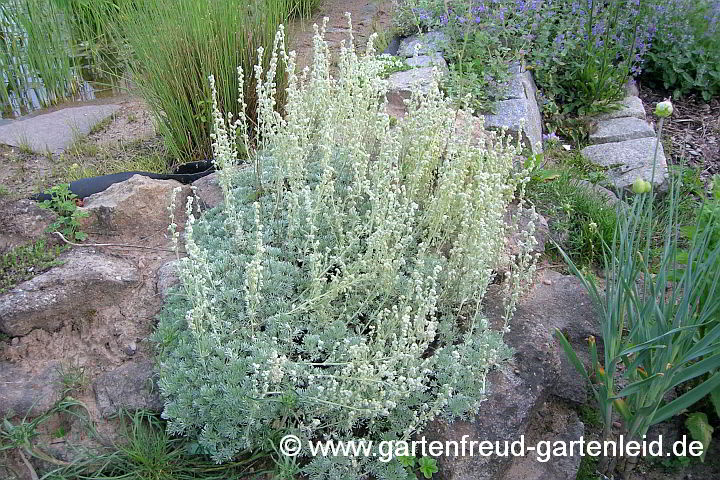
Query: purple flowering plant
(581, 50)
(685, 57)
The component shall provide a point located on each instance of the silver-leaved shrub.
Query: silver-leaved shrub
(336, 293)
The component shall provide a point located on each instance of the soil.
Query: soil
(368, 17)
(693, 132)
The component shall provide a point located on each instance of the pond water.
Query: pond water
(44, 64)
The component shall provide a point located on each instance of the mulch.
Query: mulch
(693, 132)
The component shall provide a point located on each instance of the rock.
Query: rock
(428, 43)
(55, 131)
(401, 85)
(516, 391)
(137, 207)
(23, 222)
(553, 423)
(167, 277)
(521, 118)
(566, 305)
(621, 129)
(130, 386)
(519, 109)
(84, 283)
(521, 85)
(24, 393)
(631, 106)
(603, 193)
(669, 431)
(208, 192)
(434, 60)
(626, 161)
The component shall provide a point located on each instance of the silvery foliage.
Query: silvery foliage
(337, 292)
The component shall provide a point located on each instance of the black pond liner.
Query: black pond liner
(185, 173)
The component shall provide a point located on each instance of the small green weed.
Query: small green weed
(4, 191)
(590, 416)
(22, 263)
(59, 432)
(72, 378)
(424, 466)
(63, 203)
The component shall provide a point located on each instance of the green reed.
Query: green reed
(174, 45)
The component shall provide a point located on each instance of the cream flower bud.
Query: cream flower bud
(664, 109)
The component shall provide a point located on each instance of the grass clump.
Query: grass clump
(337, 293)
(581, 219)
(22, 263)
(144, 450)
(175, 44)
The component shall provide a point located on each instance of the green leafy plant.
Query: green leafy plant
(580, 219)
(62, 202)
(337, 293)
(21, 434)
(24, 262)
(427, 466)
(685, 56)
(650, 339)
(659, 328)
(478, 62)
(700, 430)
(414, 466)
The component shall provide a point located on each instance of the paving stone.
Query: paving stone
(626, 161)
(621, 129)
(519, 110)
(429, 43)
(434, 60)
(55, 131)
(631, 106)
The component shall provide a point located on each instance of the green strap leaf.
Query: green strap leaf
(715, 400)
(695, 370)
(636, 387)
(684, 401)
(572, 356)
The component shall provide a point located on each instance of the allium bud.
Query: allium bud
(638, 186)
(664, 109)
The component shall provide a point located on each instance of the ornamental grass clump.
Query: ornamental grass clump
(336, 293)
